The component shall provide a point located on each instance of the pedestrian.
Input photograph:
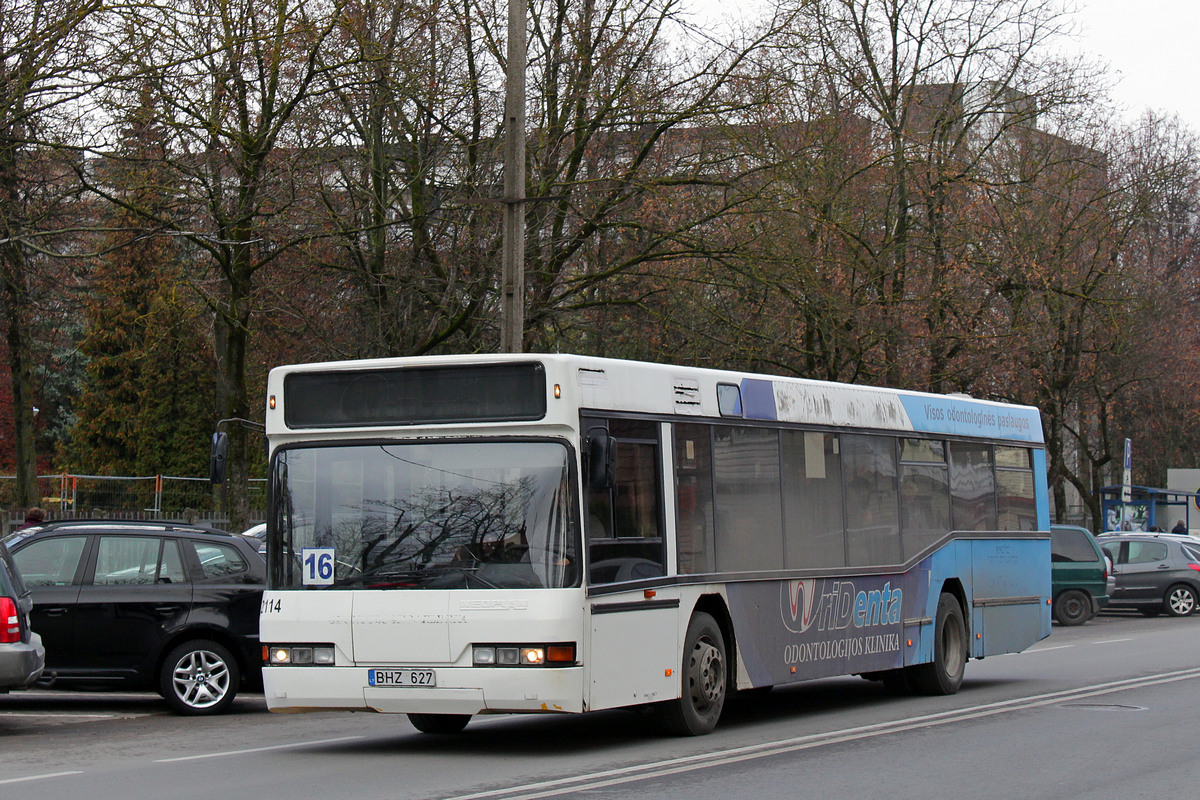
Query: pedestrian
(1180, 528)
(34, 516)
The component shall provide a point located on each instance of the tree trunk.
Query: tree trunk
(20, 364)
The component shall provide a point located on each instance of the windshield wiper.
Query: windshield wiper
(427, 577)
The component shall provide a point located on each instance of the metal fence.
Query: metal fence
(164, 497)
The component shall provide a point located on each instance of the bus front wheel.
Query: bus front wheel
(439, 723)
(944, 674)
(704, 679)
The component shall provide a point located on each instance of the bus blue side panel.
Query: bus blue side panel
(939, 414)
(1009, 597)
(758, 399)
(1005, 582)
(819, 627)
(1041, 490)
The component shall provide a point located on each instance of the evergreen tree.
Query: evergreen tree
(146, 404)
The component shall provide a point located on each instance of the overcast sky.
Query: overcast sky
(1151, 46)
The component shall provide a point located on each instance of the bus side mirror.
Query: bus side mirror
(217, 457)
(601, 454)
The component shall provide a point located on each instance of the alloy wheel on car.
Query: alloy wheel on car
(200, 678)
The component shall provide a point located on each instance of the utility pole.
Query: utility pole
(512, 304)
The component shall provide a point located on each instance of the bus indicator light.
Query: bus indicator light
(561, 653)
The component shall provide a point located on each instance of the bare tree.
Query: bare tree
(632, 161)
(903, 104)
(223, 79)
(407, 126)
(626, 165)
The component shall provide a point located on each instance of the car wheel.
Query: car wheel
(1072, 607)
(704, 680)
(1180, 600)
(199, 677)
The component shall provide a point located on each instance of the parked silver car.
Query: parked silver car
(22, 656)
(1155, 572)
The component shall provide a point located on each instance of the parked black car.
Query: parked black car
(153, 605)
(1154, 572)
(22, 655)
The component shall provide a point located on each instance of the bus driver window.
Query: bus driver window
(623, 523)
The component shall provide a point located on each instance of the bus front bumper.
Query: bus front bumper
(459, 690)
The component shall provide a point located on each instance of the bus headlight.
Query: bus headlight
(523, 655)
(299, 655)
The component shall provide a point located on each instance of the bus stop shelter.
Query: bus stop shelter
(1149, 509)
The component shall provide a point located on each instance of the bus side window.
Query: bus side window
(623, 524)
(694, 497)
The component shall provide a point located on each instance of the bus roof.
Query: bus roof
(574, 382)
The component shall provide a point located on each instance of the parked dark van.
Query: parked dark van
(145, 605)
(1079, 574)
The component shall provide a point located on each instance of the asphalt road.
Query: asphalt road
(1105, 710)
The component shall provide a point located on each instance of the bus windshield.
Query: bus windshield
(442, 515)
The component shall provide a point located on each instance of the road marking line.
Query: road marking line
(62, 714)
(700, 761)
(291, 746)
(40, 777)
(1047, 649)
(1111, 641)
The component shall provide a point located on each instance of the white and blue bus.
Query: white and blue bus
(494, 534)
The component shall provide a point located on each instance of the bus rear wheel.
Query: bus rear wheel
(704, 678)
(439, 723)
(944, 674)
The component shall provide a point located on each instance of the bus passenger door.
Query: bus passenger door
(633, 654)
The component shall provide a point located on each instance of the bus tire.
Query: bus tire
(704, 679)
(944, 674)
(439, 723)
